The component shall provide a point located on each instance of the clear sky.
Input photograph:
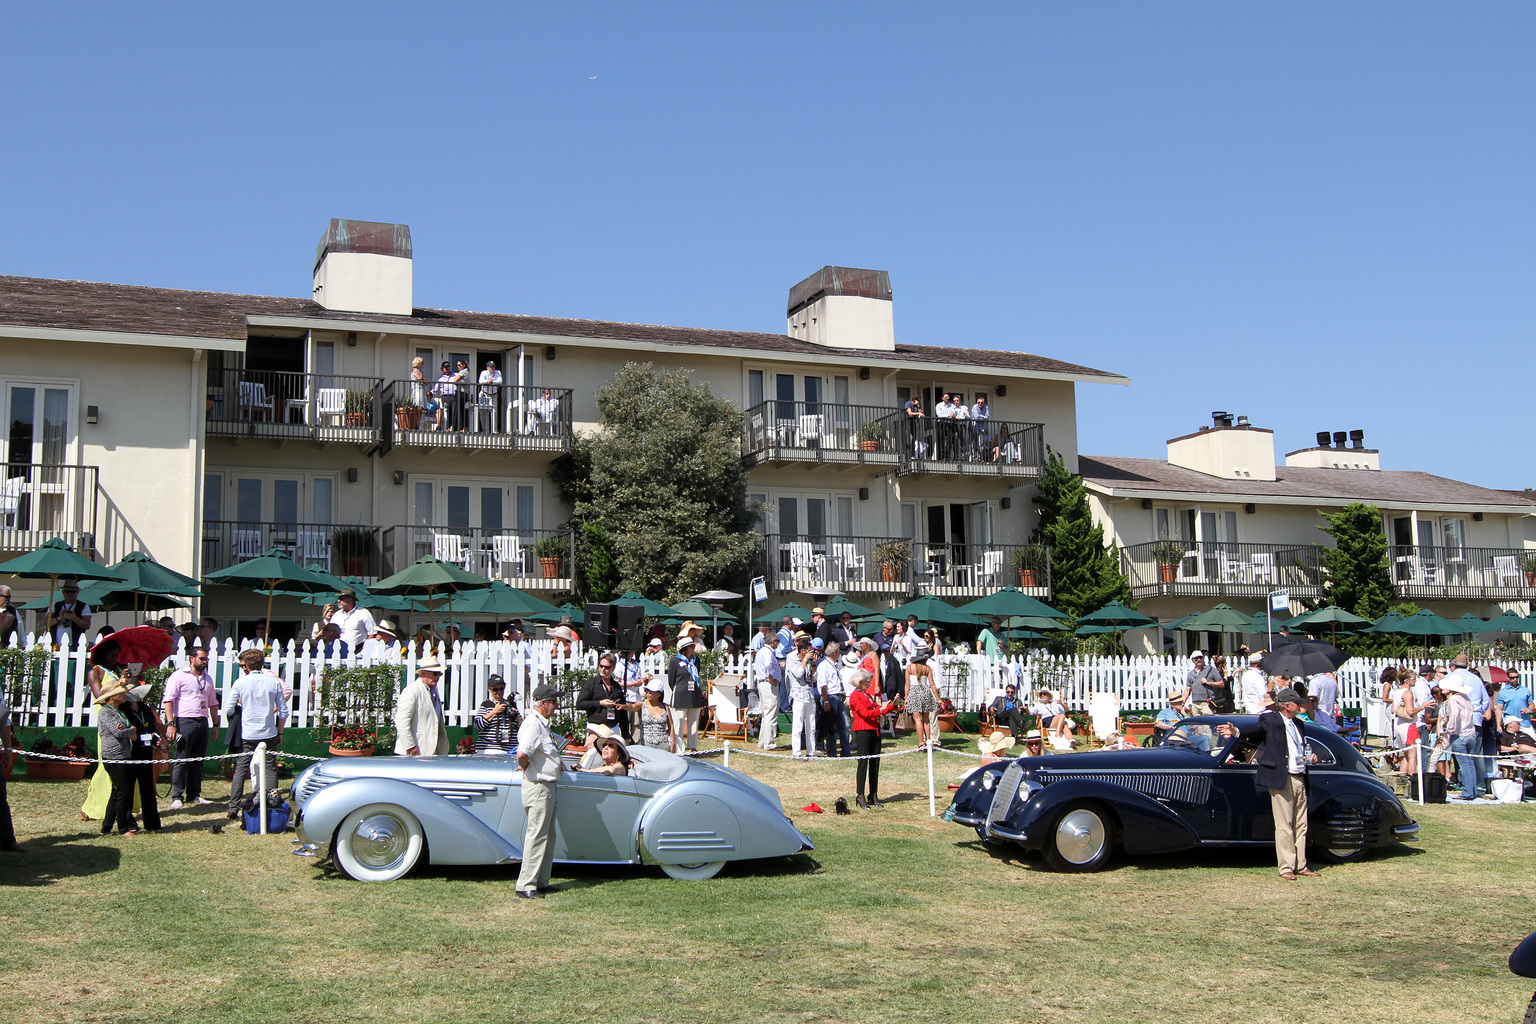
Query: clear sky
(1317, 215)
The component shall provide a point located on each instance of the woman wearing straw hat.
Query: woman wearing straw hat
(993, 747)
(122, 742)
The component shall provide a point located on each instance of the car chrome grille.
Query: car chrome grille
(312, 785)
(463, 792)
(1002, 796)
(1182, 787)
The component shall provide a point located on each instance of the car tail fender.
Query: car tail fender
(700, 820)
(1146, 826)
(454, 836)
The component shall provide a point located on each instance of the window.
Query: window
(260, 497)
(39, 423)
(754, 388)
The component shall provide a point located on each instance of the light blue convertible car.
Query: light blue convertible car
(379, 817)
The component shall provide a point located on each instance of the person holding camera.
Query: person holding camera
(800, 674)
(602, 698)
(497, 720)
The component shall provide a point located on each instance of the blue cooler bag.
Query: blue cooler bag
(277, 818)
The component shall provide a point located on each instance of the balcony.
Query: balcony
(896, 568)
(541, 560)
(1193, 569)
(500, 417)
(282, 406)
(820, 432)
(339, 550)
(40, 502)
(824, 433)
(1461, 573)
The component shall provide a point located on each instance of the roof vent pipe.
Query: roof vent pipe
(1221, 418)
(1242, 421)
(1322, 439)
(1338, 438)
(1357, 439)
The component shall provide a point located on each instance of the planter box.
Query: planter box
(351, 751)
(947, 723)
(550, 567)
(1139, 730)
(68, 771)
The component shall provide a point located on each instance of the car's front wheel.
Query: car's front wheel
(693, 872)
(1339, 854)
(1081, 840)
(378, 843)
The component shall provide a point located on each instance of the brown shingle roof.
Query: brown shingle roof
(1332, 485)
(89, 306)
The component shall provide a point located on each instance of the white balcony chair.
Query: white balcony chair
(313, 546)
(848, 560)
(246, 544)
(507, 553)
(808, 432)
(330, 402)
(253, 397)
(989, 571)
(802, 560)
(1262, 566)
(10, 500)
(303, 405)
(449, 547)
(1506, 571)
(1232, 569)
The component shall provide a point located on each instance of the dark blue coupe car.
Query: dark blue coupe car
(1196, 789)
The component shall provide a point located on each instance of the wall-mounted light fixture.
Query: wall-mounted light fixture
(863, 373)
(1006, 503)
(91, 414)
(352, 475)
(1477, 517)
(1002, 390)
(863, 493)
(1250, 508)
(1146, 502)
(399, 476)
(351, 339)
(549, 351)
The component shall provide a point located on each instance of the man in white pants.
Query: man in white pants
(1253, 687)
(769, 675)
(539, 758)
(800, 677)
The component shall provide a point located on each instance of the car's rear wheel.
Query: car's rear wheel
(378, 843)
(693, 872)
(1081, 840)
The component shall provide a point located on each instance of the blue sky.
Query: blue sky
(1317, 215)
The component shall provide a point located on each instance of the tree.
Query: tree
(664, 488)
(1085, 575)
(1359, 577)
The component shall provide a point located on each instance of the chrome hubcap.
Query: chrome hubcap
(1080, 837)
(379, 841)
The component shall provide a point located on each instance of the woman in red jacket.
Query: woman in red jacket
(867, 710)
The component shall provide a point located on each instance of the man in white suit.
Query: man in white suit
(419, 725)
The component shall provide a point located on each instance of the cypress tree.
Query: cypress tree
(1085, 575)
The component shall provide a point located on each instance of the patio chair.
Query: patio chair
(330, 402)
(802, 560)
(1262, 566)
(507, 552)
(989, 571)
(246, 544)
(1506, 569)
(10, 500)
(808, 432)
(728, 708)
(1232, 569)
(848, 560)
(449, 547)
(313, 546)
(299, 405)
(253, 397)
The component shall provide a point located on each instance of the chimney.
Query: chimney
(363, 266)
(1338, 438)
(1221, 419)
(841, 307)
(1357, 439)
(1322, 439)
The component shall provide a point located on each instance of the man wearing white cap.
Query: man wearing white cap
(800, 675)
(687, 691)
(1253, 686)
(1202, 680)
(768, 672)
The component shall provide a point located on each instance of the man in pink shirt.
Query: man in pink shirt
(190, 715)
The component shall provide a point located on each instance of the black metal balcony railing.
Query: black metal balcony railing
(480, 416)
(1421, 571)
(973, 447)
(1222, 569)
(821, 432)
(279, 404)
(41, 502)
(340, 550)
(896, 566)
(526, 559)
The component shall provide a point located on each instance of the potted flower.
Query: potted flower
(352, 544)
(948, 718)
(1168, 552)
(352, 705)
(407, 413)
(1029, 560)
(870, 435)
(550, 551)
(359, 408)
(1528, 566)
(47, 768)
(1138, 727)
(352, 741)
(892, 556)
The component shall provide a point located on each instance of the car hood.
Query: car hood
(499, 771)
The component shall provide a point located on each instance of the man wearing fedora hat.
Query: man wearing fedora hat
(1282, 769)
(419, 727)
(355, 623)
(687, 691)
(539, 758)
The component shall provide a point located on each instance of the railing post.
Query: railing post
(261, 775)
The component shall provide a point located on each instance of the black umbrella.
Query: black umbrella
(1303, 658)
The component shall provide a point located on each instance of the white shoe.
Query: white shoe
(201, 802)
(176, 805)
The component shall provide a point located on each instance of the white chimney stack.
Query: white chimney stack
(364, 267)
(841, 307)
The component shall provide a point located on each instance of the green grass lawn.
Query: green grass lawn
(895, 916)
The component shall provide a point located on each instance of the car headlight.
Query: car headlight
(988, 781)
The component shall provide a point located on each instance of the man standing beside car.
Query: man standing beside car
(1282, 769)
(1203, 682)
(419, 725)
(539, 759)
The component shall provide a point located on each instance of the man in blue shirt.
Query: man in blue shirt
(1515, 700)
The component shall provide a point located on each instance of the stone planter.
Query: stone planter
(66, 771)
(1139, 731)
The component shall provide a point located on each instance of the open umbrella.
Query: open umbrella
(1303, 658)
(1425, 623)
(931, 609)
(1116, 615)
(1331, 615)
(429, 578)
(1470, 624)
(652, 609)
(56, 560)
(1385, 624)
(504, 601)
(838, 605)
(1220, 619)
(693, 608)
(575, 613)
(791, 609)
(143, 575)
(1179, 623)
(1010, 601)
(147, 645)
(1509, 621)
(272, 573)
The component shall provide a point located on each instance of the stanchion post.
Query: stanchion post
(932, 800)
(1420, 759)
(261, 777)
(727, 753)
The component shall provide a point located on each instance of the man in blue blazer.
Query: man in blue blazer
(1282, 769)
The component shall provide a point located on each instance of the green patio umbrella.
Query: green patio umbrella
(1220, 619)
(652, 609)
(504, 601)
(144, 574)
(56, 560)
(1178, 623)
(1425, 623)
(577, 614)
(931, 609)
(429, 578)
(1470, 624)
(1505, 621)
(840, 604)
(1384, 624)
(791, 609)
(695, 609)
(1010, 601)
(1117, 616)
(271, 574)
(1332, 615)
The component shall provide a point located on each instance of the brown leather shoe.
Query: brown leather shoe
(1309, 873)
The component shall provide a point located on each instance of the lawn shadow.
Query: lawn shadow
(51, 859)
(588, 876)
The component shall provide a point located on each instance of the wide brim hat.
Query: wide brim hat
(602, 732)
(387, 626)
(996, 743)
(562, 633)
(139, 692)
(1450, 684)
(112, 689)
(1033, 734)
(429, 664)
(852, 659)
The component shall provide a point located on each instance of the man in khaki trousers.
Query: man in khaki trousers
(1282, 769)
(539, 758)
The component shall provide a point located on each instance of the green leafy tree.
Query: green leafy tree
(664, 484)
(1085, 575)
(1359, 577)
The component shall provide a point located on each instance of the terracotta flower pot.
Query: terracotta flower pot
(1027, 578)
(1167, 573)
(70, 771)
(409, 419)
(887, 573)
(550, 567)
(351, 751)
(947, 723)
(869, 446)
(1139, 730)
(356, 419)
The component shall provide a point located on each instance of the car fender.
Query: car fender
(1146, 826)
(1341, 811)
(700, 820)
(454, 836)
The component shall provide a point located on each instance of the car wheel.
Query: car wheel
(693, 872)
(1342, 855)
(1081, 840)
(378, 843)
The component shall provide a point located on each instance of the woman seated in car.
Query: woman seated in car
(615, 758)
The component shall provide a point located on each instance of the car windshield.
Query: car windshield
(1198, 736)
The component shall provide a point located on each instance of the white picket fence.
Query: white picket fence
(1141, 683)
